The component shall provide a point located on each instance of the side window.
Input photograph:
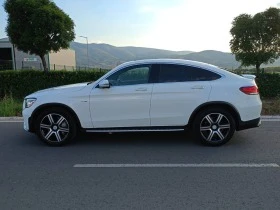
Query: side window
(181, 73)
(171, 73)
(130, 76)
(198, 74)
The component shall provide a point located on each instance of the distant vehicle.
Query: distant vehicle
(148, 95)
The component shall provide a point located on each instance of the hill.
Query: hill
(108, 56)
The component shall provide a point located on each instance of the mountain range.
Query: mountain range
(108, 56)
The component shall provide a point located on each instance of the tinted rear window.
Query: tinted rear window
(181, 73)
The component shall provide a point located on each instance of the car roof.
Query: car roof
(198, 64)
(171, 61)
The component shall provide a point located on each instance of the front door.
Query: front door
(126, 103)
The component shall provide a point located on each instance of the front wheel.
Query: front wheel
(55, 126)
(214, 126)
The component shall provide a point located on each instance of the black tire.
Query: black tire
(60, 131)
(215, 131)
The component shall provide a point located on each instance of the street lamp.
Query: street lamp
(87, 50)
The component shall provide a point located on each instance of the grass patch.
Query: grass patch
(10, 107)
(271, 106)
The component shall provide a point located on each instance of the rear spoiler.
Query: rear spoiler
(249, 76)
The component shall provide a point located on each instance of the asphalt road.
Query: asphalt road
(36, 176)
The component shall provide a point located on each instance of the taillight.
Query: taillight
(250, 90)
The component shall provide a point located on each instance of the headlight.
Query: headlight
(29, 102)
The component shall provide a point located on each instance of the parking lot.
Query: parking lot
(140, 171)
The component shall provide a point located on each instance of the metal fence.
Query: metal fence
(6, 65)
(74, 68)
(38, 66)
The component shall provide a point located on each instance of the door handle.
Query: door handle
(141, 89)
(199, 87)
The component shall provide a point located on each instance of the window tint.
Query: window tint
(198, 74)
(130, 76)
(181, 73)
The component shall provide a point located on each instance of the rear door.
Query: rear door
(178, 91)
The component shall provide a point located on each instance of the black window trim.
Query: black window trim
(155, 80)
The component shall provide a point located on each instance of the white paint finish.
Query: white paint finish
(26, 116)
(121, 106)
(227, 90)
(173, 103)
(75, 96)
(20, 119)
(181, 165)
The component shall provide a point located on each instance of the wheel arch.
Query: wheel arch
(227, 106)
(52, 105)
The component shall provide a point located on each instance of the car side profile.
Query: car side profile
(148, 95)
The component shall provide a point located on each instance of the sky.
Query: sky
(177, 25)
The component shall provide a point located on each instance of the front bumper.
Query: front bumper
(249, 124)
(26, 124)
(26, 120)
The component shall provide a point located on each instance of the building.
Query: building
(12, 58)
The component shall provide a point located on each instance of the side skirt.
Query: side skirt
(136, 129)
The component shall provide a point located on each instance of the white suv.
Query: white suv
(148, 95)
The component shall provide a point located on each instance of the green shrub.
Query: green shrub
(10, 107)
(269, 85)
(23, 82)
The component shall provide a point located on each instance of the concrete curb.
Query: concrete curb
(270, 117)
(264, 117)
(11, 118)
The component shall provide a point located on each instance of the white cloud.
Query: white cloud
(199, 24)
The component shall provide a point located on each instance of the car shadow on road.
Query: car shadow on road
(183, 138)
(136, 138)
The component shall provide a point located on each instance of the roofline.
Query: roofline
(1, 41)
(5, 40)
(170, 61)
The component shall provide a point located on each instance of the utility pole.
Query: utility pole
(87, 50)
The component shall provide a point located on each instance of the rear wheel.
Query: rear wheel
(214, 126)
(56, 126)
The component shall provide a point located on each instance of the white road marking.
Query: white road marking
(181, 165)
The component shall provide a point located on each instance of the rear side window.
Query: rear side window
(182, 73)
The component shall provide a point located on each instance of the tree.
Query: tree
(256, 39)
(38, 27)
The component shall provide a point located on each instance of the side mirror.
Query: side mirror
(104, 84)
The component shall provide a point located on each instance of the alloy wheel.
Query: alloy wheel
(215, 127)
(54, 127)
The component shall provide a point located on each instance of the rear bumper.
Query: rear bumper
(249, 124)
